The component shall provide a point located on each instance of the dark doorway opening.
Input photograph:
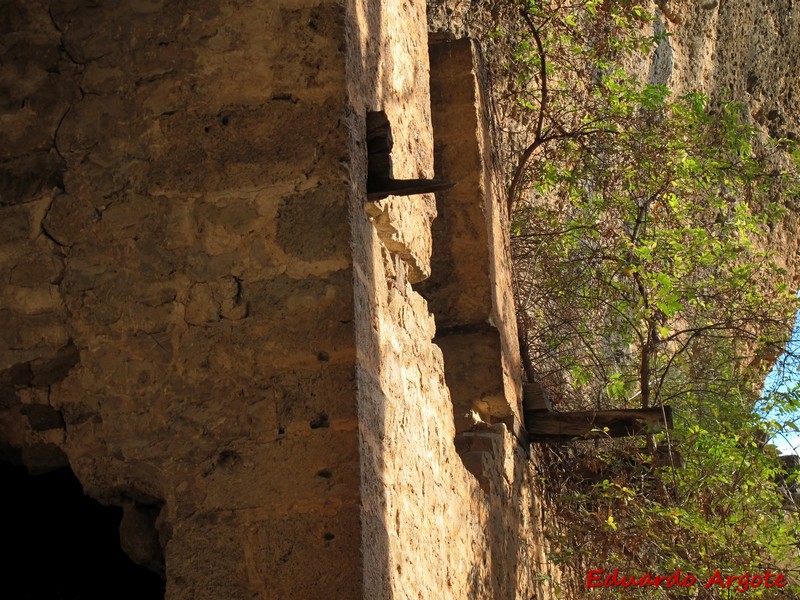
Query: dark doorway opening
(63, 545)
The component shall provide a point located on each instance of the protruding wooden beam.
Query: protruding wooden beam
(546, 426)
(379, 189)
(380, 179)
(535, 397)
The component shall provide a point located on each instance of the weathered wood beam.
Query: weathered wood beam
(546, 426)
(535, 397)
(379, 189)
(380, 179)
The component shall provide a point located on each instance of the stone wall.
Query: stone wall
(176, 301)
(442, 516)
(204, 319)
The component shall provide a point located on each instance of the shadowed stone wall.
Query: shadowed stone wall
(176, 301)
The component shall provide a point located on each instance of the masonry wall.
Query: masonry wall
(440, 517)
(204, 319)
(176, 283)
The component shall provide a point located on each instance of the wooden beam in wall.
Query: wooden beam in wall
(548, 426)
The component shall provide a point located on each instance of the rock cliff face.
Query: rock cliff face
(748, 52)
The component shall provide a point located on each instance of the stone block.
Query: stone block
(42, 417)
(283, 545)
(314, 226)
(38, 271)
(30, 176)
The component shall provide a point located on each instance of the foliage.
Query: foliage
(643, 279)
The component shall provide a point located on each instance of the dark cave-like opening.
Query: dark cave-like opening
(63, 545)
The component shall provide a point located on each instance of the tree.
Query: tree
(643, 279)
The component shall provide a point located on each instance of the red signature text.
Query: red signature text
(600, 578)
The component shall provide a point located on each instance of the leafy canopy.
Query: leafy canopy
(644, 278)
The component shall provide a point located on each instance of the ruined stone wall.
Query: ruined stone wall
(176, 305)
(203, 318)
(440, 518)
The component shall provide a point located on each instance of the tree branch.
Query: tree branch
(538, 138)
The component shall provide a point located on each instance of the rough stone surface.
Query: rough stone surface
(440, 517)
(176, 297)
(388, 49)
(206, 321)
(476, 329)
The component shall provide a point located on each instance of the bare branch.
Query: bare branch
(538, 138)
